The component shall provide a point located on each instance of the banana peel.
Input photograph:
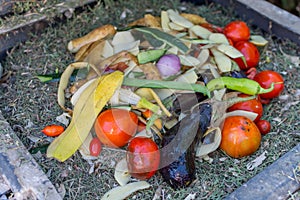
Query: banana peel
(86, 110)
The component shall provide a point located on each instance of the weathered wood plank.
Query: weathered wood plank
(15, 32)
(21, 172)
(276, 182)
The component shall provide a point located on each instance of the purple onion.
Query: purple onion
(168, 65)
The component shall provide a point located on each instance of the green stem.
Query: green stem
(165, 85)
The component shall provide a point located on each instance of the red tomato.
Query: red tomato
(250, 53)
(53, 130)
(95, 147)
(266, 78)
(253, 105)
(115, 127)
(237, 31)
(240, 137)
(264, 126)
(142, 157)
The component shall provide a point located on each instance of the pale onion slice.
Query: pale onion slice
(223, 62)
(122, 174)
(77, 94)
(229, 51)
(188, 77)
(188, 60)
(248, 114)
(164, 17)
(121, 192)
(213, 70)
(204, 149)
(201, 31)
(178, 19)
(218, 38)
(258, 40)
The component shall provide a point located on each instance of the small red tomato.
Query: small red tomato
(237, 31)
(264, 126)
(115, 127)
(142, 157)
(95, 147)
(266, 78)
(253, 105)
(53, 130)
(250, 53)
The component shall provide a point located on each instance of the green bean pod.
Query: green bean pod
(244, 85)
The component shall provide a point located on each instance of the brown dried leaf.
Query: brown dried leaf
(195, 19)
(151, 71)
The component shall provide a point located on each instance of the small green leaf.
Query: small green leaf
(150, 55)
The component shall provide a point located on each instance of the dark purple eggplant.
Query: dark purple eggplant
(178, 147)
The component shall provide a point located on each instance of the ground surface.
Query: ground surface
(29, 105)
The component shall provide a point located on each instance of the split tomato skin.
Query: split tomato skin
(250, 53)
(95, 147)
(115, 127)
(264, 126)
(143, 157)
(237, 31)
(240, 137)
(253, 105)
(266, 78)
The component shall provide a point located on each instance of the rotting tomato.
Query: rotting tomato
(253, 105)
(237, 31)
(266, 78)
(240, 136)
(143, 157)
(115, 127)
(53, 130)
(250, 53)
(95, 147)
(264, 126)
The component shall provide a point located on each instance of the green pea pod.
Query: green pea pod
(244, 85)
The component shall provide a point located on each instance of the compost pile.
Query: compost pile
(160, 93)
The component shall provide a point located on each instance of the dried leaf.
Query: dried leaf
(85, 112)
(201, 31)
(223, 62)
(256, 162)
(229, 51)
(218, 38)
(178, 19)
(195, 19)
(165, 21)
(175, 26)
(258, 40)
(152, 21)
(121, 192)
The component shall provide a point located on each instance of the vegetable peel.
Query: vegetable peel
(86, 110)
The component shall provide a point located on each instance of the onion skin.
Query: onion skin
(168, 65)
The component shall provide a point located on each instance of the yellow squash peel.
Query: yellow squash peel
(86, 110)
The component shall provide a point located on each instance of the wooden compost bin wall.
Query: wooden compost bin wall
(269, 184)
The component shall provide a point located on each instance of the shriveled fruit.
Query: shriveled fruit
(253, 105)
(95, 147)
(264, 126)
(115, 127)
(237, 31)
(250, 53)
(240, 137)
(53, 130)
(142, 157)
